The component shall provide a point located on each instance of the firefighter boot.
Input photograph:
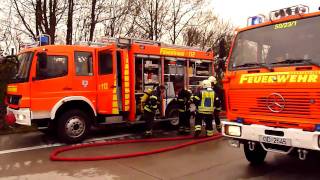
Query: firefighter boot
(181, 130)
(209, 133)
(148, 134)
(219, 127)
(197, 131)
(187, 130)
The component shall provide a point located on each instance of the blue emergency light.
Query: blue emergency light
(240, 120)
(44, 39)
(254, 20)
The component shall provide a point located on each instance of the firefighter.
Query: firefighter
(205, 100)
(184, 100)
(218, 92)
(151, 101)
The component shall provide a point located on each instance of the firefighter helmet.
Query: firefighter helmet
(206, 84)
(212, 79)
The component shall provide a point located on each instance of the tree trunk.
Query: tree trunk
(93, 19)
(70, 22)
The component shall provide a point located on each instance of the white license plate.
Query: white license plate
(275, 140)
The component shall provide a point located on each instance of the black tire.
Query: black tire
(73, 126)
(257, 156)
(172, 112)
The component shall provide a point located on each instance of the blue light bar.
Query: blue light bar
(317, 128)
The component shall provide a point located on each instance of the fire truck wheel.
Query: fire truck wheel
(73, 126)
(257, 156)
(173, 113)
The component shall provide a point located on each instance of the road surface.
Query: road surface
(26, 156)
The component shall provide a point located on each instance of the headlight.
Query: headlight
(232, 130)
(21, 117)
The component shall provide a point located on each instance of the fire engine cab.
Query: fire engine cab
(71, 88)
(272, 85)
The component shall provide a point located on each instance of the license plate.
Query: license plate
(275, 140)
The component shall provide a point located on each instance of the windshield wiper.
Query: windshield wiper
(264, 65)
(293, 61)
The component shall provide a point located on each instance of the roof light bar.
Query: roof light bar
(293, 10)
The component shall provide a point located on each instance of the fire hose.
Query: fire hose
(54, 155)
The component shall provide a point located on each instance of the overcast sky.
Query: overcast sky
(237, 11)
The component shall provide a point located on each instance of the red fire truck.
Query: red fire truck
(71, 88)
(272, 85)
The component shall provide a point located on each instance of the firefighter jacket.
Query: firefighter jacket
(206, 101)
(151, 104)
(184, 98)
(145, 98)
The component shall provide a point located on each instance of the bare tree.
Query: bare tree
(182, 12)
(208, 32)
(40, 16)
(151, 19)
(116, 18)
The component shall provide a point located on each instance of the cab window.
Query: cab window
(83, 63)
(52, 67)
(105, 63)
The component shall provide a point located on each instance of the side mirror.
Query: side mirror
(42, 60)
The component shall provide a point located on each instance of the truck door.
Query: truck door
(107, 92)
(50, 78)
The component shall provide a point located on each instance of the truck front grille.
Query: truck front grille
(297, 104)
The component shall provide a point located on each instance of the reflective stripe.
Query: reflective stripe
(219, 109)
(209, 133)
(154, 107)
(196, 97)
(181, 110)
(147, 109)
(197, 127)
(182, 100)
(153, 97)
(205, 112)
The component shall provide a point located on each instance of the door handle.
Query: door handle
(67, 88)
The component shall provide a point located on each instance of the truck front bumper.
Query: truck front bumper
(23, 115)
(298, 138)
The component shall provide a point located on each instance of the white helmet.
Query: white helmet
(212, 79)
(206, 84)
(201, 83)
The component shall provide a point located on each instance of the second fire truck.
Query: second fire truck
(272, 85)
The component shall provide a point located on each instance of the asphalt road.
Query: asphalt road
(26, 156)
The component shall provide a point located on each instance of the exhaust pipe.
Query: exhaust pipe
(302, 154)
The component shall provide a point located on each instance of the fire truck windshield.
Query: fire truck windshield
(284, 44)
(24, 60)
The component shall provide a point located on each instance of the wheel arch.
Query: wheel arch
(171, 104)
(70, 102)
